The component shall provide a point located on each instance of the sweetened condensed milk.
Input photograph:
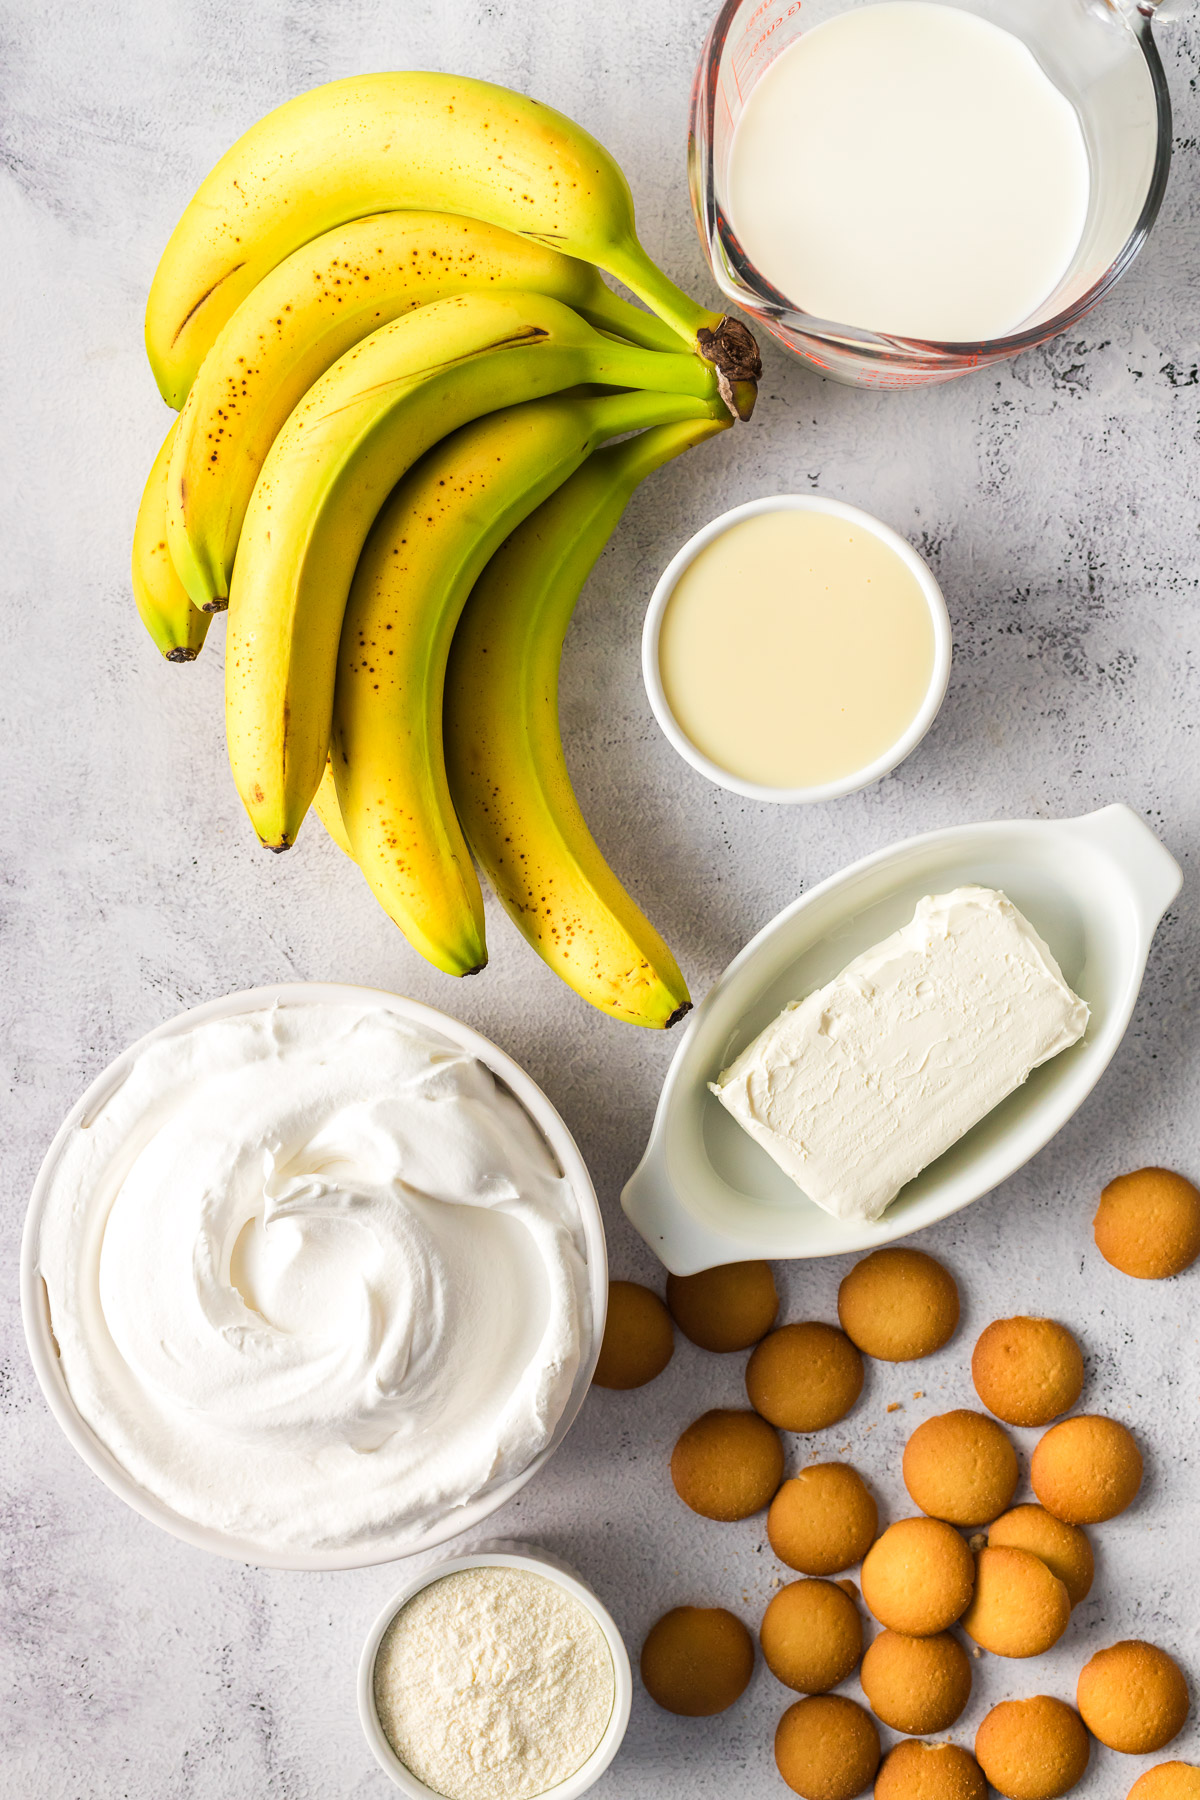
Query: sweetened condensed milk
(796, 648)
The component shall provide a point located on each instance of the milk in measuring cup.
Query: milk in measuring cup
(909, 168)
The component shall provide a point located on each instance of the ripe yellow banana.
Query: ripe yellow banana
(306, 313)
(358, 430)
(372, 143)
(427, 548)
(166, 611)
(508, 777)
(325, 805)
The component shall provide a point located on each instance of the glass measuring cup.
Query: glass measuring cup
(1099, 53)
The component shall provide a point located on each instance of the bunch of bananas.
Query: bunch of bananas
(398, 367)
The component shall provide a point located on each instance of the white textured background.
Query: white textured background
(1058, 500)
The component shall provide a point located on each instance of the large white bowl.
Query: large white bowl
(43, 1350)
(1095, 888)
(536, 1562)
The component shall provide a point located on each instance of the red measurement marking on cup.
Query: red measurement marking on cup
(743, 58)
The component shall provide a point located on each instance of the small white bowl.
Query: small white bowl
(1095, 888)
(43, 1350)
(857, 778)
(501, 1556)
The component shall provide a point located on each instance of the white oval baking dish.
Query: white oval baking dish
(1095, 888)
(501, 1555)
(43, 1350)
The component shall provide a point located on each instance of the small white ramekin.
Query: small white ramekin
(857, 778)
(503, 1555)
(43, 1349)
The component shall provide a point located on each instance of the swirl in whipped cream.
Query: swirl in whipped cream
(314, 1276)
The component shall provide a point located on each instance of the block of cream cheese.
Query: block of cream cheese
(855, 1089)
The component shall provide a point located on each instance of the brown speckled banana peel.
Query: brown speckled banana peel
(508, 776)
(374, 143)
(176, 627)
(427, 549)
(304, 315)
(356, 433)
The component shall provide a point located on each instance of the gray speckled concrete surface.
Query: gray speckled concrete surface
(1057, 498)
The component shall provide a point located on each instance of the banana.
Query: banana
(434, 142)
(504, 757)
(306, 313)
(427, 548)
(325, 805)
(166, 611)
(358, 430)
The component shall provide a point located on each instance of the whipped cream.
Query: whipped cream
(315, 1277)
(858, 1087)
